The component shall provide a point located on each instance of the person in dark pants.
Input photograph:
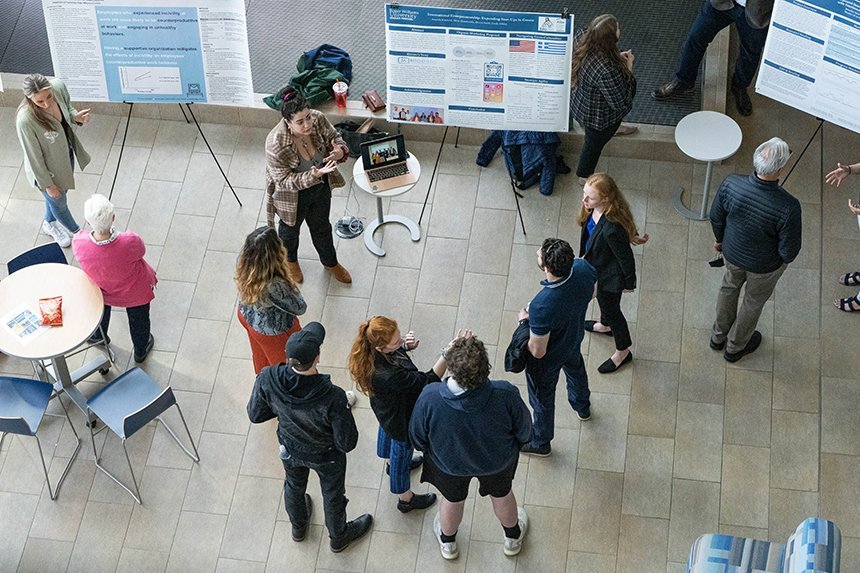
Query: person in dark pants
(556, 317)
(315, 430)
(608, 230)
(602, 89)
(751, 21)
(302, 153)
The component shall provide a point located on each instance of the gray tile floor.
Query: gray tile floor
(681, 443)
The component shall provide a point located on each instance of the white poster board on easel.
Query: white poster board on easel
(811, 59)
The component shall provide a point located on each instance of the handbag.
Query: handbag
(354, 139)
(372, 100)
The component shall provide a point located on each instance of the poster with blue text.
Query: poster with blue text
(176, 51)
(478, 68)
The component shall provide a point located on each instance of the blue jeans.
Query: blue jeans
(332, 477)
(541, 379)
(400, 456)
(705, 28)
(58, 210)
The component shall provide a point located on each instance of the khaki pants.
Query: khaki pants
(735, 326)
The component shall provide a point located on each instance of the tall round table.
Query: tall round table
(361, 180)
(705, 136)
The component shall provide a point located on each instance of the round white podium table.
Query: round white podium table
(381, 219)
(707, 136)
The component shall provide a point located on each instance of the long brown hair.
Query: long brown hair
(616, 208)
(373, 332)
(33, 84)
(599, 40)
(263, 259)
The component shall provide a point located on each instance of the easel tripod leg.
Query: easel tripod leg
(121, 148)
(212, 153)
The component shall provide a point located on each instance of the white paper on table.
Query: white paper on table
(24, 324)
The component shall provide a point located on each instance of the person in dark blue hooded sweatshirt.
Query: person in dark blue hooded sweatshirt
(469, 426)
(315, 429)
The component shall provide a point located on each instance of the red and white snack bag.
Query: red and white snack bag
(52, 310)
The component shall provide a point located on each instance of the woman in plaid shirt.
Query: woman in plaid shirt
(602, 90)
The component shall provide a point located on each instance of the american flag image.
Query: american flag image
(552, 48)
(525, 46)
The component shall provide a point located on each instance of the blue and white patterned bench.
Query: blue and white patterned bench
(814, 547)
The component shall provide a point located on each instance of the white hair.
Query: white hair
(99, 213)
(770, 157)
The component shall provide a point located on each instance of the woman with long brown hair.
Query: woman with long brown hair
(608, 230)
(383, 370)
(269, 301)
(602, 88)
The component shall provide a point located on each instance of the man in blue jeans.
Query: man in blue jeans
(556, 319)
(751, 18)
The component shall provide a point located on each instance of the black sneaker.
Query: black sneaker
(716, 345)
(742, 100)
(585, 415)
(354, 530)
(752, 346)
(417, 460)
(418, 501)
(146, 352)
(542, 451)
(300, 532)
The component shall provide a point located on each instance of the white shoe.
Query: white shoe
(513, 546)
(350, 398)
(57, 232)
(449, 550)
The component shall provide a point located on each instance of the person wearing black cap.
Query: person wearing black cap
(315, 429)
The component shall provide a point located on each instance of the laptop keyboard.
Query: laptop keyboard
(388, 172)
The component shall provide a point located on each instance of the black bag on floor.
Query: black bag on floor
(354, 140)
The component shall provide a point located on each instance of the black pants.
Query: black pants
(314, 206)
(332, 476)
(592, 147)
(138, 326)
(611, 316)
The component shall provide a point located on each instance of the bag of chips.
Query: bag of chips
(52, 310)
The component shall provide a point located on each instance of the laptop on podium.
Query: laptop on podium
(384, 162)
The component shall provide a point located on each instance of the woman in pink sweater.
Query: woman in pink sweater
(114, 261)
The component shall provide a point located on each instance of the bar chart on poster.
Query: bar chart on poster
(182, 51)
(811, 59)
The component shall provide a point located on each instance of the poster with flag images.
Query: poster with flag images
(478, 68)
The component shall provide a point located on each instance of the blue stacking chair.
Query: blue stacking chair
(47, 253)
(23, 404)
(128, 404)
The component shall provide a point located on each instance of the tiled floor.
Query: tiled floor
(680, 443)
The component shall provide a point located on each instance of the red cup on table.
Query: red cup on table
(340, 88)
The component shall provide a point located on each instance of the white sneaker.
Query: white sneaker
(57, 232)
(350, 398)
(513, 546)
(449, 550)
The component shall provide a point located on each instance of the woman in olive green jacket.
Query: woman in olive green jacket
(45, 125)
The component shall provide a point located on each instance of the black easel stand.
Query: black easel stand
(517, 194)
(820, 128)
(432, 175)
(199, 129)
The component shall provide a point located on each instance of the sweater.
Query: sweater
(276, 313)
(758, 222)
(117, 267)
(46, 152)
(476, 433)
(396, 385)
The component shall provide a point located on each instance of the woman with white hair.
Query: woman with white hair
(45, 124)
(114, 261)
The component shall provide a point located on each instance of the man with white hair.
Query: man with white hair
(757, 227)
(114, 261)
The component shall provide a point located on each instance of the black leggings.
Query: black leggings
(592, 147)
(314, 207)
(611, 316)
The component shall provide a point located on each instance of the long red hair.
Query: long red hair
(374, 332)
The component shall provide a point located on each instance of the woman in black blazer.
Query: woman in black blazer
(608, 231)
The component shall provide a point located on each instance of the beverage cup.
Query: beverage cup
(340, 88)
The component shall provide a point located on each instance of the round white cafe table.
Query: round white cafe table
(707, 136)
(83, 305)
(381, 219)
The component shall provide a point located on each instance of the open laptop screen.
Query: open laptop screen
(381, 152)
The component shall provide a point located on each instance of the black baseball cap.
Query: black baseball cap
(304, 345)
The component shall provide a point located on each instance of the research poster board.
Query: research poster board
(811, 59)
(173, 51)
(478, 68)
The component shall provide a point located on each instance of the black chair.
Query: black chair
(47, 253)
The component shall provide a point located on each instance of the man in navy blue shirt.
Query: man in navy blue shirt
(556, 318)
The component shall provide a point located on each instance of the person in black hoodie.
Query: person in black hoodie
(469, 426)
(384, 371)
(315, 429)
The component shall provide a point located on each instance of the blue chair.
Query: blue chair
(126, 405)
(47, 253)
(23, 404)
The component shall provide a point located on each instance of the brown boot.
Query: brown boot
(295, 271)
(340, 273)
